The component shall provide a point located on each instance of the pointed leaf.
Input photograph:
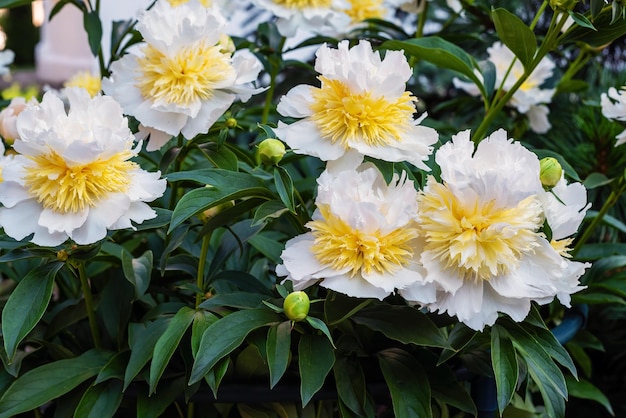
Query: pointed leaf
(44, 383)
(168, 343)
(516, 35)
(584, 389)
(27, 304)
(505, 369)
(442, 53)
(225, 335)
(320, 325)
(402, 323)
(155, 406)
(142, 340)
(407, 382)
(138, 271)
(284, 187)
(93, 27)
(100, 401)
(278, 350)
(201, 321)
(316, 358)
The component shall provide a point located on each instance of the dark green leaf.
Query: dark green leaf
(606, 31)
(7, 4)
(93, 27)
(581, 19)
(284, 187)
(278, 350)
(320, 325)
(402, 323)
(505, 369)
(138, 271)
(586, 390)
(168, 343)
(201, 321)
(100, 401)
(268, 210)
(350, 383)
(316, 358)
(114, 369)
(407, 382)
(142, 339)
(442, 53)
(27, 304)
(515, 34)
(155, 406)
(163, 218)
(225, 335)
(595, 180)
(44, 383)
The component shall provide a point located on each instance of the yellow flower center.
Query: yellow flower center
(190, 75)
(303, 4)
(340, 246)
(176, 3)
(343, 116)
(562, 246)
(72, 189)
(478, 240)
(86, 80)
(365, 9)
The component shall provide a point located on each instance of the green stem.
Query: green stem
(542, 9)
(608, 204)
(89, 306)
(191, 409)
(178, 162)
(206, 240)
(580, 61)
(269, 97)
(421, 21)
(37, 413)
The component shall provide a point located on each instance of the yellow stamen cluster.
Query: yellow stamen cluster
(365, 9)
(66, 188)
(339, 245)
(86, 80)
(303, 4)
(479, 240)
(342, 115)
(183, 78)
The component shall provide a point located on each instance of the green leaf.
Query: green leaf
(595, 180)
(114, 369)
(6, 4)
(93, 27)
(168, 343)
(515, 34)
(284, 187)
(201, 199)
(407, 382)
(402, 323)
(581, 19)
(201, 321)
(278, 350)
(442, 53)
(271, 209)
(225, 335)
(316, 358)
(27, 304)
(607, 31)
(155, 406)
(44, 383)
(138, 271)
(240, 300)
(320, 325)
(350, 383)
(142, 339)
(100, 401)
(163, 218)
(584, 389)
(505, 369)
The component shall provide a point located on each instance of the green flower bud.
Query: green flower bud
(271, 151)
(231, 123)
(296, 306)
(211, 212)
(550, 172)
(563, 4)
(62, 255)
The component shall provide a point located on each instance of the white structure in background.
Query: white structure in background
(63, 50)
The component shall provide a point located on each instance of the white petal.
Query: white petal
(354, 286)
(303, 137)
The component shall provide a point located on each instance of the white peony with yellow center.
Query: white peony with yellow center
(363, 239)
(484, 248)
(362, 107)
(185, 75)
(317, 16)
(73, 177)
(614, 107)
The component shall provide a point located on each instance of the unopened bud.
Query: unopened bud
(563, 5)
(550, 172)
(271, 151)
(296, 306)
(231, 123)
(62, 255)
(211, 212)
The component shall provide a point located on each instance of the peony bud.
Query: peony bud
(8, 118)
(550, 172)
(271, 151)
(296, 306)
(231, 123)
(211, 212)
(563, 5)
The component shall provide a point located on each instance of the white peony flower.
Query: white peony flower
(614, 107)
(484, 249)
(363, 238)
(362, 106)
(319, 16)
(8, 117)
(185, 76)
(73, 178)
(530, 98)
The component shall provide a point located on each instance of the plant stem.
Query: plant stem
(91, 313)
(191, 409)
(608, 204)
(274, 69)
(201, 262)
(421, 21)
